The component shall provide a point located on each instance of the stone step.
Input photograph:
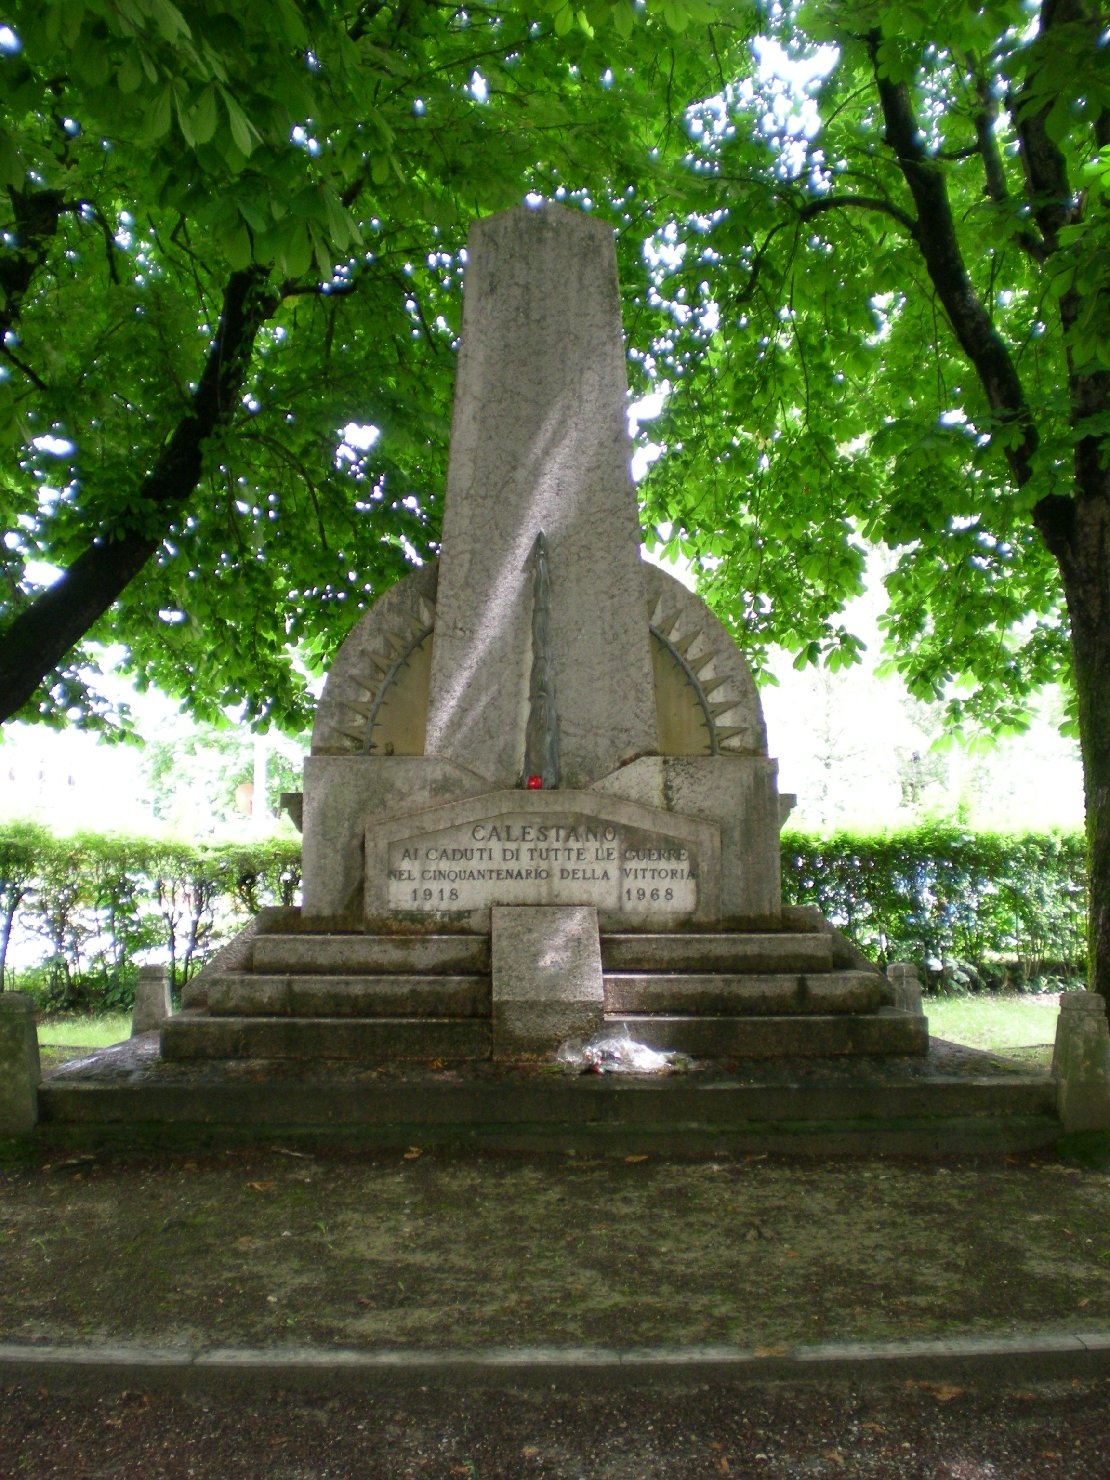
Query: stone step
(192, 1036)
(251, 994)
(718, 951)
(364, 955)
(887, 1031)
(721, 994)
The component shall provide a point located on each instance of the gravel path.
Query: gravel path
(887, 1431)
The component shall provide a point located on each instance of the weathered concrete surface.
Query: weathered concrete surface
(374, 1040)
(905, 985)
(539, 443)
(547, 983)
(397, 858)
(352, 955)
(19, 1064)
(376, 694)
(885, 1032)
(739, 794)
(343, 795)
(720, 993)
(681, 621)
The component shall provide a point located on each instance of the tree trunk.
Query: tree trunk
(1078, 534)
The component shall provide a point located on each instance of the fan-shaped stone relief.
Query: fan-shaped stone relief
(375, 701)
(706, 699)
(376, 696)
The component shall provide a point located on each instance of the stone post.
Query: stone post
(152, 1000)
(905, 985)
(20, 1070)
(1081, 1062)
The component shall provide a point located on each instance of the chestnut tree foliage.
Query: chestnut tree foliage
(230, 229)
(876, 292)
(891, 324)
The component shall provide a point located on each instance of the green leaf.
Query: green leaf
(160, 114)
(205, 116)
(172, 25)
(130, 75)
(242, 131)
(296, 249)
(238, 248)
(675, 15)
(11, 167)
(184, 121)
(321, 254)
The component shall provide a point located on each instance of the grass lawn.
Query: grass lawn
(1021, 1026)
(73, 1036)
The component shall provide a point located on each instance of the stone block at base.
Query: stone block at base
(547, 981)
(20, 1071)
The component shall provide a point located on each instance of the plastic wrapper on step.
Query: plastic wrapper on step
(614, 1053)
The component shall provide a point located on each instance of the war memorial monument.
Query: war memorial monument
(539, 800)
(539, 810)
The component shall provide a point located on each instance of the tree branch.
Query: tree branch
(1046, 170)
(39, 637)
(986, 117)
(35, 214)
(860, 203)
(944, 262)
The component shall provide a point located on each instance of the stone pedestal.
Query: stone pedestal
(1081, 1062)
(20, 1070)
(152, 1000)
(547, 982)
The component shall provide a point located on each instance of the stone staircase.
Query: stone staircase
(727, 995)
(746, 995)
(343, 996)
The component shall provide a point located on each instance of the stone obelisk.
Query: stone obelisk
(539, 471)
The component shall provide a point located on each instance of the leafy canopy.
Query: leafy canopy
(331, 155)
(822, 394)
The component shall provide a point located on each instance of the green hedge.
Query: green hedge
(992, 908)
(97, 904)
(967, 907)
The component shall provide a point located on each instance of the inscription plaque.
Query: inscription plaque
(529, 858)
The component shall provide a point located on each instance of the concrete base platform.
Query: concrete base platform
(729, 995)
(249, 994)
(954, 1101)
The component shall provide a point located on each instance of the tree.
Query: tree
(891, 323)
(230, 229)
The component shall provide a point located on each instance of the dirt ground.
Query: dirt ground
(418, 1249)
(425, 1249)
